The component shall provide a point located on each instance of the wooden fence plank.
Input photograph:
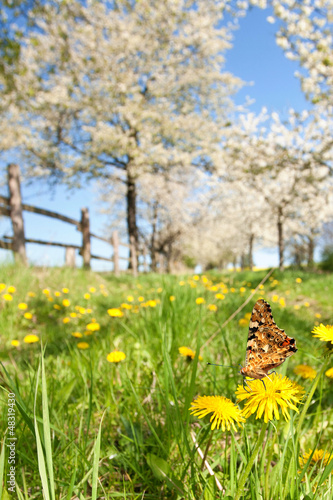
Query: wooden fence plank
(86, 246)
(115, 244)
(6, 245)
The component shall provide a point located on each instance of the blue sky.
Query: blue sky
(255, 58)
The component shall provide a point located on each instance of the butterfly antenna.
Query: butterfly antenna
(226, 366)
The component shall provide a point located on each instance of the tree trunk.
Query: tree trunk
(15, 203)
(153, 238)
(132, 227)
(280, 238)
(251, 239)
(311, 247)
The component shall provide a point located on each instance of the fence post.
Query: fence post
(115, 244)
(86, 246)
(70, 257)
(133, 257)
(15, 204)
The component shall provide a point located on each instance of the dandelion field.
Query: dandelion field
(98, 375)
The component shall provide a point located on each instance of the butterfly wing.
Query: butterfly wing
(267, 345)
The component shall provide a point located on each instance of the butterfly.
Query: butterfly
(267, 345)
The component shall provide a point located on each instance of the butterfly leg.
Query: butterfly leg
(246, 384)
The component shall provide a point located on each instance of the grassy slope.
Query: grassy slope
(146, 397)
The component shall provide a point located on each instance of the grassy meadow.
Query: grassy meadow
(97, 394)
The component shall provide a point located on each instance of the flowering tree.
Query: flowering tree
(121, 92)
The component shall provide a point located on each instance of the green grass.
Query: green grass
(87, 428)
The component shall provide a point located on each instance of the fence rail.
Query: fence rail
(13, 207)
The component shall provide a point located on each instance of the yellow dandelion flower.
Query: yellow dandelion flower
(278, 392)
(181, 283)
(87, 296)
(319, 457)
(57, 307)
(115, 312)
(92, 289)
(126, 306)
(282, 302)
(88, 311)
(23, 306)
(305, 371)
(57, 294)
(11, 289)
(261, 287)
(152, 303)
(77, 335)
(50, 299)
(130, 298)
(318, 315)
(81, 310)
(46, 291)
(186, 352)
(306, 304)
(298, 280)
(247, 316)
(93, 327)
(243, 322)
(225, 413)
(65, 290)
(219, 296)
(232, 290)
(27, 315)
(116, 356)
(196, 277)
(212, 307)
(213, 288)
(30, 339)
(297, 307)
(275, 298)
(7, 297)
(31, 294)
(66, 320)
(73, 315)
(242, 289)
(141, 299)
(159, 290)
(15, 343)
(135, 309)
(200, 300)
(66, 303)
(2, 287)
(172, 298)
(83, 345)
(329, 373)
(324, 333)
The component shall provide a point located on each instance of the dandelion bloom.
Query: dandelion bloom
(65, 290)
(11, 289)
(15, 343)
(329, 373)
(57, 307)
(92, 289)
(30, 339)
(324, 333)
(130, 298)
(181, 283)
(159, 290)
(200, 300)
(282, 302)
(66, 320)
(219, 296)
(232, 290)
(172, 298)
(152, 303)
(77, 335)
(57, 294)
(141, 299)
(188, 353)
(23, 306)
(243, 322)
(212, 307)
(306, 304)
(225, 413)
(318, 315)
(278, 392)
(7, 296)
(93, 327)
(126, 306)
(83, 345)
(27, 315)
(213, 288)
(275, 298)
(296, 307)
(31, 294)
(73, 315)
(319, 457)
(115, 312)
(305, 371)
(298, 280)
(242, 289)
(46, 291)
(2, 286)
(66, 303)
(87, 296)
(247, 316)
(115, 356)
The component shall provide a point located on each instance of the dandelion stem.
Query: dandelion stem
(247, 471)
(206, 450)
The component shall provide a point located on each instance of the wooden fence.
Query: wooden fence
(13, 207)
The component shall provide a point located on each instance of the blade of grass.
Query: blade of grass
(40, 451)
(97, 449)
(47, 431)
(2, 465)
